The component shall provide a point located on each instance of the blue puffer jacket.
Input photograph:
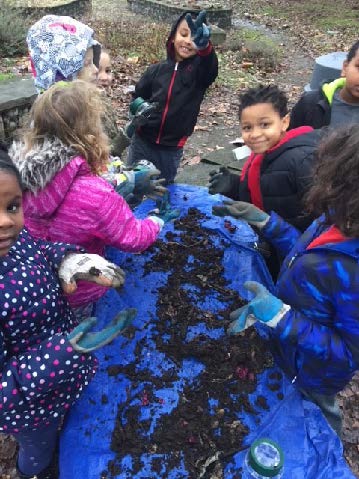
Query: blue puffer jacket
(317, 341)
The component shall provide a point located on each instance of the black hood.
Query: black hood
(306, 140)
(169, 44)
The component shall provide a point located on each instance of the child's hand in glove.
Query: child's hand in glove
(89, 267)
(163, 210)
(146, 180)
(200, 32)
(243, 211)
(264, 307)
(222, 181)
(84, 341)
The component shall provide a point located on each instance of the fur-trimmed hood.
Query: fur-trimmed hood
(38, 166)
(48, 174)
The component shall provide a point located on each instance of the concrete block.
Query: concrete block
(326, 67)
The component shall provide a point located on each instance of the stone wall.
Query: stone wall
(72, 8)
(165, 12)
(16, 98)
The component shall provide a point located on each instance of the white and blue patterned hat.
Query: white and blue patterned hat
(57, 48)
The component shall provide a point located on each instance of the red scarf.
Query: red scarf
(332, 235)
(253, 165)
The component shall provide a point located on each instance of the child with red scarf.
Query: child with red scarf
(278, 171)
(312, 317)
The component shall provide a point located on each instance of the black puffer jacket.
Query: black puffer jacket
(284, 178)
(314, 108)
(179, 88)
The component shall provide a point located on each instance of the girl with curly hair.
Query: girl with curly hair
(60, 160)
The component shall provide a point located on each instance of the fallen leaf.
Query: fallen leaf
(133, 60)
(192, 161)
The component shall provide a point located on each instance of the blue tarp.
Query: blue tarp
(312, 450)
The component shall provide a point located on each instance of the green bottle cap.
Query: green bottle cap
(266, 457)
(134, 106)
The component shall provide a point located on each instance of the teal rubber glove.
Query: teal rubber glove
(146, 180)
(264, 307)
(243, 211)
(200, 32)
(83, 341)
(164, 211)
(222, 181)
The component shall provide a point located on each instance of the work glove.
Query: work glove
(243, 211)
(84, 341)
(200, 32)
(163, 210)
(264, 307)
(221, 181)
(89, 267)
(140, 112)
(146, 182)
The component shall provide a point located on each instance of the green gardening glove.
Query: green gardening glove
(222, 181)
(146, 180)
(243, 211)
(163, 209)
(83, 341)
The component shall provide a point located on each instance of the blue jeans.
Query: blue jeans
(166, 160)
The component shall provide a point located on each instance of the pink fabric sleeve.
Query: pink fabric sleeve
(118, 226)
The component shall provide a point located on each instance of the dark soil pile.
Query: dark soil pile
(203, 436)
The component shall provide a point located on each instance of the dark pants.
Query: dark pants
(166, 160)
(329, 407)
(36, 448)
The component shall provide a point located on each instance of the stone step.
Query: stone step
(165, 11)
(16, 92)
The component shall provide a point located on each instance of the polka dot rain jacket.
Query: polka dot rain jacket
(40, 373)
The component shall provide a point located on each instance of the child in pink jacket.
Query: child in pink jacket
(66, 200)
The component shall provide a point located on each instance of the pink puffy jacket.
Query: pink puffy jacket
(81, 208)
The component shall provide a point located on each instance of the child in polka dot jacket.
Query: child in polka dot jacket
(44, 355)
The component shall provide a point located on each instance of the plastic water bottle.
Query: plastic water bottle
(263, 460)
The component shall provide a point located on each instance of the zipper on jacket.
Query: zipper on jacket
(165, 111)
(291, 261)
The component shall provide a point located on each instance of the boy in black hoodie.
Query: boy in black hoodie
(177, 85)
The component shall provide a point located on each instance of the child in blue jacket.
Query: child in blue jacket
(44, 355)
(313, 315)
(177, 85)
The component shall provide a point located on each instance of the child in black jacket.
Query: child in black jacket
(177, 85)
(278, 172)
(336, 102)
